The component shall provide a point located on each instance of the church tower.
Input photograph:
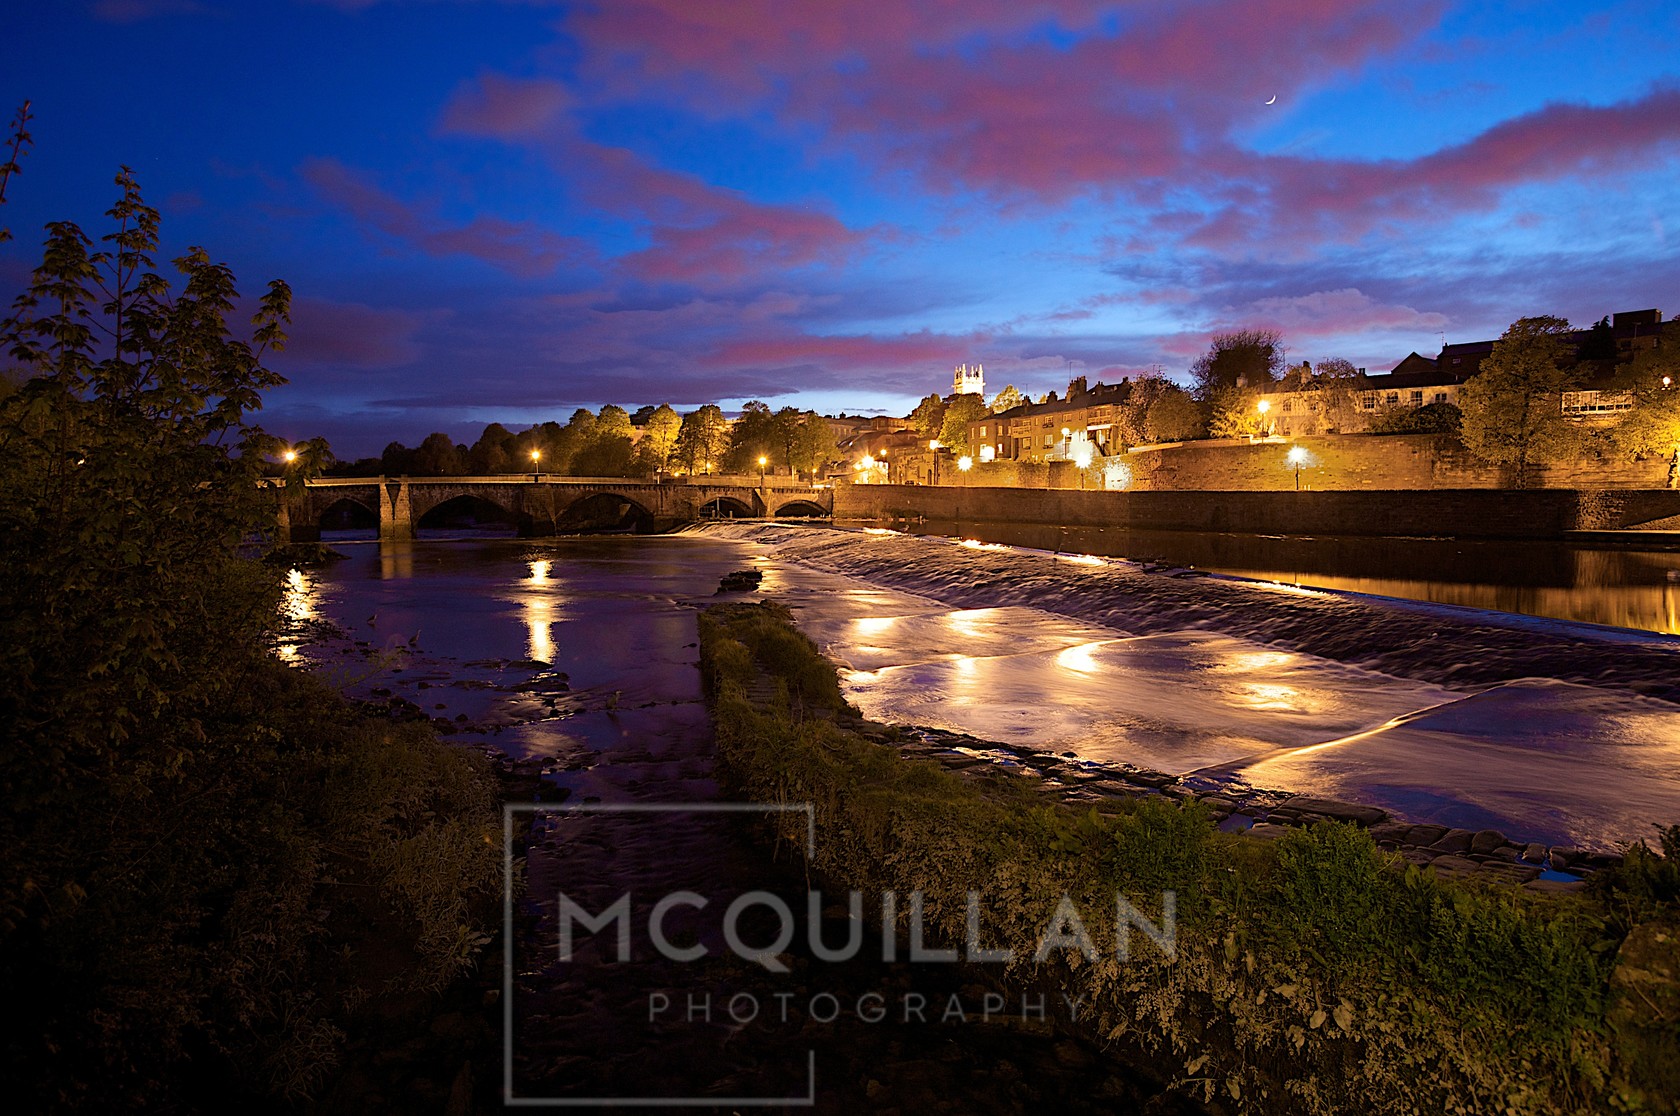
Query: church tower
(969, 381)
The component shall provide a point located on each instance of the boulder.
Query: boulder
(1339, 811)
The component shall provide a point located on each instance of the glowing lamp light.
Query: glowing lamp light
(1264, 405)
(536, 455)
(934, 445)
(290, 456)
(763, 461)
(1668, 381)
(1083, 457)
(965, 463)
(1297, 456)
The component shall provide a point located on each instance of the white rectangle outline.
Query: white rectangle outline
(509, 809)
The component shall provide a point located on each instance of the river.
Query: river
(576, 657)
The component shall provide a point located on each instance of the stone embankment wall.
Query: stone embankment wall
(1347, 462)
(1463, 513)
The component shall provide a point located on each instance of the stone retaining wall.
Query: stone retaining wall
(1463, 513)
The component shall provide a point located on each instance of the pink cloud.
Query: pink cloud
(696, 231)
(1330, 313)
(507, 108)
(518, 247)
(967, 99)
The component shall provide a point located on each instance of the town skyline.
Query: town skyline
(502, 213)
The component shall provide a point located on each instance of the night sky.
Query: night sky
(503, 211)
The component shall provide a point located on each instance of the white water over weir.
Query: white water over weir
(1548, 731)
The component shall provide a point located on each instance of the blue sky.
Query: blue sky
(502, 211)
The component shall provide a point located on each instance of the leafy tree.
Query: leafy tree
(702, 439)
(1235, 413)
(963, 410)
(16, 145)
(493, 453)
(1431, 418)
(1007, 399)
(397, 460)
(1249, 359)
(613, 422)
(1133, 413)
(1174, 416)
(309, 459)
(607, 455)
(813, 445)
(1513, 406)
(180, 921)
(753, 436)
(1653, 425)
(439, 456)
(659, 436)
(928, 419)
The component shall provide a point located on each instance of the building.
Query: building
(1418, 381)
(1085, 424)
(969, 381)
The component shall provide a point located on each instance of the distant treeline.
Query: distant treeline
(614, 443)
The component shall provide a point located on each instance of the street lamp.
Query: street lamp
(965, 463)
(290, 456)
(1067, 442)
(762, 462)
(1263, 406)
(1296, 457)
(1083, 461)
(536, 465)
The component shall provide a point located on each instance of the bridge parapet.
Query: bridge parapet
(539, 504)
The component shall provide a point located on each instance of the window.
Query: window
(1288, 406)
(1368, 400)
(1392, 398)
(1049, 440)
(982, 432)
(1440, 397)
(1417, 398)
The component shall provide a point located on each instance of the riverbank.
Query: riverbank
(1310, 972)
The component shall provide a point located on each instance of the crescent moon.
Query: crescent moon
(1273, 101)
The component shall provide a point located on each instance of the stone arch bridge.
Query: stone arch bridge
(540, 506)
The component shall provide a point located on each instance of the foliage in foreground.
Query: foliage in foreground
(1313, 973)
(211, 862)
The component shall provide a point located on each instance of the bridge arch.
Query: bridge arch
(469, 511)
(347, 513)
(726, 507)
(599, 511)
(802, 509)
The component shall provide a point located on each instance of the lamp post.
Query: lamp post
(536, 466)
(1263, 406)
(762, 462)
(1296, 456)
